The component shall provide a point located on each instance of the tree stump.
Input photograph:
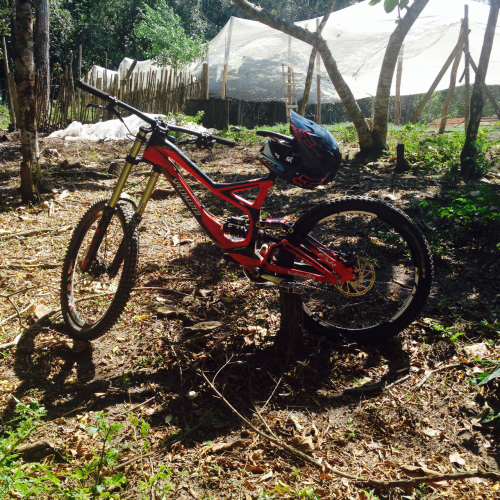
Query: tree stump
(290, 337)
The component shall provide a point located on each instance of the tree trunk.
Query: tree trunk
(382, 98)
(289, 340)
(42, 45)
(25, 72)
(310, 68)
(468, 157)
(307, 86)
(316, 40)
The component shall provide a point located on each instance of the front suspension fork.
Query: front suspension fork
(110, 208)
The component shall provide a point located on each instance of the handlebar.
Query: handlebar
(151, 121)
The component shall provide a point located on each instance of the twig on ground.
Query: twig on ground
(6, 320)
(31, 266)
(135, 407)
(35, 231)
(17, 311)
(441, 368)
(255, 406)
(168, 290)
(416, 482)
(27, 289)
(402, 379)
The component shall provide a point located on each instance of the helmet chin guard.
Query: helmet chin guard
(310, 159)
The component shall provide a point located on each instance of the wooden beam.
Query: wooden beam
(224, 82)
(458, 48)
(467, 69)
(451, 89)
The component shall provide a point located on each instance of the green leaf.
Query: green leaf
(390, 5)
(375, 2)
(493, 375)
(79, 473)
(168, 419)
(403, 4)
(92, 430)
(52, 477)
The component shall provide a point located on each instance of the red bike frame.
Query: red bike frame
(320, 263)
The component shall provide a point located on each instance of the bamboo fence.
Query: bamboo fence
(163, 92)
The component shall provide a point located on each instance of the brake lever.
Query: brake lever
(92, 105)
(204, 141)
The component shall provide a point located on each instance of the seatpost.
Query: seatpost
(140, 139)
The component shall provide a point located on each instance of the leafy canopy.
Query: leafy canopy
(168, 44)
(390, 5)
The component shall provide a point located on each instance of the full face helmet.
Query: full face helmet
(310, 159)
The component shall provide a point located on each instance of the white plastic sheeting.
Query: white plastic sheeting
(357, 37)
(108, 130)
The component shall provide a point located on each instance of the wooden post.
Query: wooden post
(290, 337)
(11, 97)
(451, 89)
(399, 76)
(458, 48)
(402, 164)
(467, 69)
(488, 92)
(79, 78)
(318, 82)
(226, 57)
(224, 81)
(204, 77)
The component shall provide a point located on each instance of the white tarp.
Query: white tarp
(357, 37)
(110, 130)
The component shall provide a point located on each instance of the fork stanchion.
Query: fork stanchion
(289, 340)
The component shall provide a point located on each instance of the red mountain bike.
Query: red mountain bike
(364, 269)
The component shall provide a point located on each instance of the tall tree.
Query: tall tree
(370, 141)
(469, 156)
(25, 73)
(42, 45)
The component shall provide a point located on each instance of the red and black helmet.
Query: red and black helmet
(310, 159)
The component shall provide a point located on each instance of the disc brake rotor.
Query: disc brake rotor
(364, 281)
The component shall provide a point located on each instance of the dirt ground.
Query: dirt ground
(321, 403)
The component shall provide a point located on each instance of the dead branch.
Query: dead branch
(366, 480)
(277, 442)
(6, 320)
(402, 379)
(416, 482)
(35, 231)
(31, 266)
(441, 368)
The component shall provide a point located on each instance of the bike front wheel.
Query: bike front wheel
(392, 262)
(92, 301)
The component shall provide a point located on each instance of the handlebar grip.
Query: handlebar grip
(226, 142)
(92, 90)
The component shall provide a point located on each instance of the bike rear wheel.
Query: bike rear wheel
(393, 264)
(93, 301)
